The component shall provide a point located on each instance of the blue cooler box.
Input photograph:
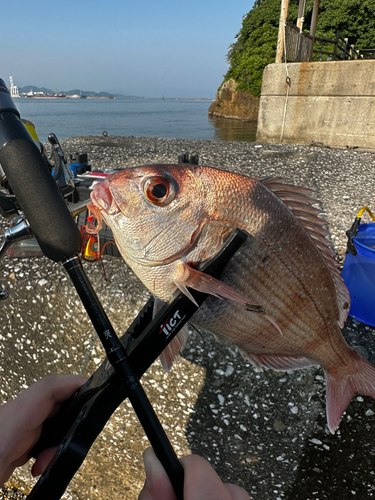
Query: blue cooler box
(359, 275)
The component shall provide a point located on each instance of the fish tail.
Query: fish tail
(342, 387)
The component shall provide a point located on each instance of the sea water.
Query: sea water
(139, 117)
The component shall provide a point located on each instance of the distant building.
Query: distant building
(13, 88)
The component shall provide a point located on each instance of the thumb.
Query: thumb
(43, 461)
(157, 485)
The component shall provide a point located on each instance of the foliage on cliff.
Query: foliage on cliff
(256, 42)
(354, 18)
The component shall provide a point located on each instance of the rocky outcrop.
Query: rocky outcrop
(232, 103)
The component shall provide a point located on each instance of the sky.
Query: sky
(133, 47)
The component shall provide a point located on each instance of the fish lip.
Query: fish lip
(99, 201)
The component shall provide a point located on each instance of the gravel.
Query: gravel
(265, 431)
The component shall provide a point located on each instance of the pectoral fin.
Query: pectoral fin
(187, 276)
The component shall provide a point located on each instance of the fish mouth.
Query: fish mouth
(102, 198)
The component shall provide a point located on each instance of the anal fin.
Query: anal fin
(278, 363)
(175, 346)
(173, 349)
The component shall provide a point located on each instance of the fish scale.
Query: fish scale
(286, 265)
(281, 298)
(246, 275)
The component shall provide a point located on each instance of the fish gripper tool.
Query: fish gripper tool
(81, 419)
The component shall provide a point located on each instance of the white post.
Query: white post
(301, 14)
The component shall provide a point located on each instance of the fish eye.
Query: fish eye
(159, 190)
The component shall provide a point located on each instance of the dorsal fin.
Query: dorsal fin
(300, 200)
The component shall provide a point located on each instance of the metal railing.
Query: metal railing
(368, 53)
(300, 47)
(342, 49)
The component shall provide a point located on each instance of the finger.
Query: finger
(236, 492)
(157, 485)
(22, 417)
(43, 461)
(57, 388)
(201, 481)
(35, 404)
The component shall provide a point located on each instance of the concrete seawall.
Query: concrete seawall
(328, 102)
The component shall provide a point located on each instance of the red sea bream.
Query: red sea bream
(168, 219)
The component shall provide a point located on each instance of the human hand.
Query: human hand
(200, 483)
(22, 418)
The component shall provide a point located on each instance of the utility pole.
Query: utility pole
(314, 18)
(281, 36)
(313, 25)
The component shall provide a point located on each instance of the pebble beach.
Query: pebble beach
(265, 431)
(342, 178)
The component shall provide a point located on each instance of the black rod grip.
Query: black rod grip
(37, 193)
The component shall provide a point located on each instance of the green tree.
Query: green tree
(354, 18)
(255, 44)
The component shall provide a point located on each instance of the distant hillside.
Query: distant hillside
(89, 92)
(27, 88)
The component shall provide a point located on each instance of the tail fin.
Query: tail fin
(341, 388)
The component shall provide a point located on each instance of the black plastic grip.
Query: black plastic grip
(38, 195)
(34, 186)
